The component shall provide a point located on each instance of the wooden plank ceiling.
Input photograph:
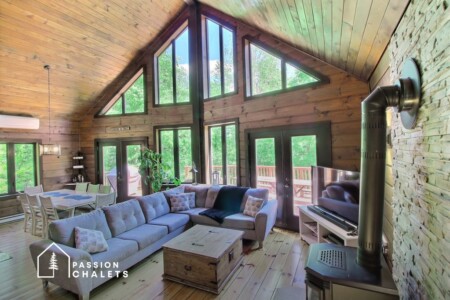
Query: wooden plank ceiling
(88, 43)
(349, 34)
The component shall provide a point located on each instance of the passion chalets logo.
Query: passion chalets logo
(54, 261)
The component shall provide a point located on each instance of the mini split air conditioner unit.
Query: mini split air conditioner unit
(18, 122)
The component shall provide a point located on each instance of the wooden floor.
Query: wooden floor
(279, 265)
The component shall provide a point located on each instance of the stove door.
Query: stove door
(314, 292)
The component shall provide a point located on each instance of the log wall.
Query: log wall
(417, 207)
(337, 101)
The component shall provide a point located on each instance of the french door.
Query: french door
(280, 160)
(118, 166)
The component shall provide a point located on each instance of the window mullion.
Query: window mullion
(11, 174)
(224, 154)
(249, 71)
(176, 153)
(222, 75)
(283, 74)
(174, 74)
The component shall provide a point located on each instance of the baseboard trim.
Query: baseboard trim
(10, 219)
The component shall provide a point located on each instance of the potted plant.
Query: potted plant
(154, 170)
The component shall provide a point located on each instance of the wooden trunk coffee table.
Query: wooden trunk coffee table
(204, 257)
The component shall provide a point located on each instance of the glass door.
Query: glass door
(118, 167)
(281, 159)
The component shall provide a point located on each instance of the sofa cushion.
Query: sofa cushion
(239, 221)
(212, 195)
(118, 250)
(62, 231)
(252, 206)
(91, 241)
(171, 221)
(204, 220)
(200, 190)
(144, 235)
(194, 211)
(173, 191)
(124, 216)
(260, 193)
(154, 205)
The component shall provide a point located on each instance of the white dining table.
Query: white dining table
(68, 200)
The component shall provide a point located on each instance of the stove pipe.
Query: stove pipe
(405, 96)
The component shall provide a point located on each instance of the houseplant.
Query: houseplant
(155, 171)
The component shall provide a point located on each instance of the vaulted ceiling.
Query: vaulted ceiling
(87, 43)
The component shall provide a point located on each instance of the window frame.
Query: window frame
(11, 173)
(246, 42)
(176, 155)
(121, 95)
(170, 42)
(222, 124)
(205, 54)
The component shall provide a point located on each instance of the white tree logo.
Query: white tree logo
(53, 263)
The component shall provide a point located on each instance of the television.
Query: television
(336, 193)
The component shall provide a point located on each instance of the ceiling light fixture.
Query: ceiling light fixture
(50, 149)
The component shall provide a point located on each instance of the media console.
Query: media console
(314, 228)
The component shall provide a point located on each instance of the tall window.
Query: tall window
(130, 100)
(172, 71)
(17, 167)
(268, 72)
(219, 45)
(223, 153)
(175, 146)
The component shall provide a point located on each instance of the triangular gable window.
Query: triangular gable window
(268, 72)
(297, 77)
(129, 100)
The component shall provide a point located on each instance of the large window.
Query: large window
(172, 71)
(267, 72)
(219, 59)
(175, 146)
(223, 154)
(130, 100)
(17, 167)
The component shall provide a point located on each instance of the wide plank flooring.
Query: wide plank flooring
(279, 265)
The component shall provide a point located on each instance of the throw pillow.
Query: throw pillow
(179, 202)
(253, 206)
(174, 191)
(90, 240)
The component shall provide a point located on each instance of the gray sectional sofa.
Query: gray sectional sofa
(133, 230)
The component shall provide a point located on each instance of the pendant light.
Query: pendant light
(50, 149)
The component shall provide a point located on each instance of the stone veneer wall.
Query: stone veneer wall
(421, 156)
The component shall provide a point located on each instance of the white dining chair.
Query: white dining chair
(102, 200)
(93, 188)
(36, 215)
(81, 186)
(49, 214)
(28, 220)
(33, 190)
(104, 189)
